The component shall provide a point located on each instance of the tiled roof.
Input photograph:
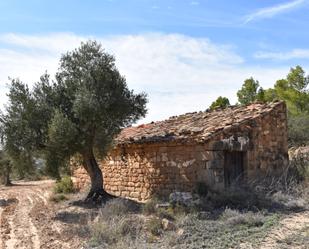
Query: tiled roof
(197, 126)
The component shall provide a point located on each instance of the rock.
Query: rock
(180, 232)
(162, 205)
(184, 199)
(168, 225)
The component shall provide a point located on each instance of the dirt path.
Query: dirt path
(28, 220)
(289, 227)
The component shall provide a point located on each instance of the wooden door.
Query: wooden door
(233, 167)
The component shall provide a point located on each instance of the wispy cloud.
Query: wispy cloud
(293, 54)
(180, 73)
(195, 3)
(273, 10)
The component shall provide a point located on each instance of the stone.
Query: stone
(138, 168)
(167, 225)
(180, 231)
(182, 198)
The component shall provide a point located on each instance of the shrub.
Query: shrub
(65, 185)
(165, 213)
(58, 198)
(150, 206)
(234, 198)
(250, 219)
(114, 230)
(154, 226)
(298, 129)
(118, 207)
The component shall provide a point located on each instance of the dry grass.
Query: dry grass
(220, 220)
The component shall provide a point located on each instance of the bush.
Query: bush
(298, 130)
(154, 226)
(166, 213)
(235, 198)
(118, 207)
(250, 219)
(65, 185)
(150, 206)
(115, 230)
(58, 198)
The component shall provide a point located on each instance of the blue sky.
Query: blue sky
(183, 53)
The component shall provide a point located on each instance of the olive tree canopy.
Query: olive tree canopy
(81, 112)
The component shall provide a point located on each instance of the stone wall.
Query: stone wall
(138, 171)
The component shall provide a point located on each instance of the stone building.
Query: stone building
(214, 147)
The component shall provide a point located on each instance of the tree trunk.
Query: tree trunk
(97, 192)
(7, 180)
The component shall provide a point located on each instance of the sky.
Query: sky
(182, 53)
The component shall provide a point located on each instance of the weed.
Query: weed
(65, 185)
(115, 229)
(250, 219)
(58, 198)
(118, 207)
(150, 206)
(154, 226)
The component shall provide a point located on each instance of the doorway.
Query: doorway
(233, 167)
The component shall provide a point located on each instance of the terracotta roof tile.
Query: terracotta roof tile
(197, 126)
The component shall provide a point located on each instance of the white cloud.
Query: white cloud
(273, 10)
(179, 73)
(293, 54)
(195, 3)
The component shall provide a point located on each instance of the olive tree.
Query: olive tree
(80, 112)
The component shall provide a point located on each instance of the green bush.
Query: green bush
(298, 127)
(65, 185)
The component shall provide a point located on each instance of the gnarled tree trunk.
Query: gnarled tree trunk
(97, 192)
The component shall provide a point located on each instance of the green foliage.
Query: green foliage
(294, 91)
(249, 92)
(82, 111)
(65, 185)
(220, 102)
(298, 126)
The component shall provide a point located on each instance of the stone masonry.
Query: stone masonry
(178, 153)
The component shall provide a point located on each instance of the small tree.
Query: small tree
(249, 92)
(79, 113)
(220, 102)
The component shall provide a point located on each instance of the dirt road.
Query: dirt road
(291, 227)
(29, 220)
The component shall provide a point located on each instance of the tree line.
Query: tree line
(293, 90)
